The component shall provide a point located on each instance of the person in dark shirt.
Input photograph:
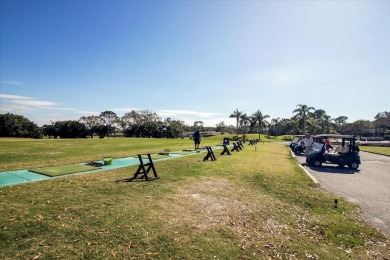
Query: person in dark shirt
(197, 139)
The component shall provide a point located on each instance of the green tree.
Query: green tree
(12, 125)
(108, 118)
(258, 119)
(91, 123)
(323, 120)
(236, 114)
(293, 125)
(362, 128)
(198, 125)
(71, 129)
(303, 112)
(276, 124)
(382, 123)
(132, 118)
(244, 122)
(173, 128)
(313, 125)
(50, 130)
(326, 123)
(220, 127)
(340, 124)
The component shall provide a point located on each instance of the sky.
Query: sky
(193, 60)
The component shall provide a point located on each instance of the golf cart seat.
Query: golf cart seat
(345, 149)
(336, 152)
(338, 149)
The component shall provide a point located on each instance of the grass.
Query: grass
(376, 149)
(252, 204)
(17, 153)
(29, 153)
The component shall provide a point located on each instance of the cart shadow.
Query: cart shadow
(331, 169)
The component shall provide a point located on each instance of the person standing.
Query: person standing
(197, 139)
(308, 141)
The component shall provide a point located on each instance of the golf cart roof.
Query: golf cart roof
(299, 135)
(335, 136)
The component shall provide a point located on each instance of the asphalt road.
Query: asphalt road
(368, 186)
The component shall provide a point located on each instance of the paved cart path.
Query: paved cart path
(369, 186)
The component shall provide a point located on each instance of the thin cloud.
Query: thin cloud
(88, 112)
(23, 103)
(6, 96)
(10, 82)
(11, 108)
(34, 103)
(123, 109)
(64, 108)
(167, 112)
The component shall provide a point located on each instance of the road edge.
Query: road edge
(316, 182)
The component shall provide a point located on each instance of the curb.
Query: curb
(316, 182)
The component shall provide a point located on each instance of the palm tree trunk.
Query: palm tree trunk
(237, 128)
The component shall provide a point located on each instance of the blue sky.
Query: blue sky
(194, 60)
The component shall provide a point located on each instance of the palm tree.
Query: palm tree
(236, 114)
(303, 111)
(326, 121)
(259, 118)
(323, 119)
(293, 124)
(313, 125)
(244, 120)
(276, 124)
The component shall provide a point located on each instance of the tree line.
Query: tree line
(309, 119)
(146, 124)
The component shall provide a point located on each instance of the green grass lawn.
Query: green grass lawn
(254, 204)
(18, 153)
(29, 153)
(376, 149)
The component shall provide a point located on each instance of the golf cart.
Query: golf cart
(296, 141)
(347, 153)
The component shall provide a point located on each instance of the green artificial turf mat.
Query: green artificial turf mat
(182, 152)
(64, 169)
(154, 156)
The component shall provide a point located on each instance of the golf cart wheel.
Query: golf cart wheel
(353, 165)
(317, 163)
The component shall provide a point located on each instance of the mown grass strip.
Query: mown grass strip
(376, 149)
(24, 153)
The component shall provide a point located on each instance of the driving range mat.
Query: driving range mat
(154, 156)
(63, 169)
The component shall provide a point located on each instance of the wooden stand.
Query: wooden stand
(235, 147)
(225, 150)
(210, 154)
(143, 171)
